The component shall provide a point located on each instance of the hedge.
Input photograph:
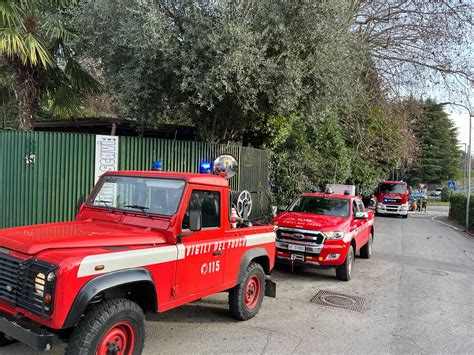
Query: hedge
(457, 208)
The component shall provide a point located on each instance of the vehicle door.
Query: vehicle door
(356, 224)
(361, 234)
(365, 222)
(202, 266)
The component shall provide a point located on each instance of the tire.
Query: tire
(109, 325)
(405, 216)
(5, 341)
(246, 298)
(366, 250)
(344, 271)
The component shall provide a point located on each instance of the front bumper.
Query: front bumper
(26, 332)
(399, 210)
(329, 255)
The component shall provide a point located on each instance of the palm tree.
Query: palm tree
(34, 46)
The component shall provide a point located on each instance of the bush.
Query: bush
(445, 194)
(457, 208)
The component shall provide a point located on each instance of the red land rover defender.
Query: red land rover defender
(143, 241)
(325, 230)
(392, 198)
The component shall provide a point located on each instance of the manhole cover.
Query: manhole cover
(328, 298)
(433, 272)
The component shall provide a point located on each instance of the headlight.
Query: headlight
(334, 235)
(39, 283)
(51, 276)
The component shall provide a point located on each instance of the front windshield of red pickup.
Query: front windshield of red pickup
(321, 205)
(138, 194)
(393, 188)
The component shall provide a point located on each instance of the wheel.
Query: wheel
(111, 327)
(344, 271)
(405, 216)
(246, 298)
(366, 250)
(5, 341)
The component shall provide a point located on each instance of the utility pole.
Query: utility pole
(469, 171)
(469, 149)
(464, 163)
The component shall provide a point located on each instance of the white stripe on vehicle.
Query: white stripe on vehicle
(181, 251)
(128, 259)
(143, 257)
(262, 238)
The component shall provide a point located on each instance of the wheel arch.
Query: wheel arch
(354, 244)
(123, 283)
(258, 255)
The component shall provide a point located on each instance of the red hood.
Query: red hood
(311, 221)
(78, 234)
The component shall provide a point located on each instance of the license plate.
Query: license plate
(296, 247)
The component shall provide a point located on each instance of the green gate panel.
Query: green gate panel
(42, 176)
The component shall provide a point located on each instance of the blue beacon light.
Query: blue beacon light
(157, 165)
(205, 167)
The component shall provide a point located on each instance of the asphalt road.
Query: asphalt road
(419, 298)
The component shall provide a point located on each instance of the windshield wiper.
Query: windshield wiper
(106, 203)
(141, 208)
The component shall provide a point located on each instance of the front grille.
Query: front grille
(392, 200)
(305, 237)
(24, 283)
(8, 277)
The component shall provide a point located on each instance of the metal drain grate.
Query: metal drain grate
(328, 298)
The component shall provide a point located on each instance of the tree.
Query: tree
(440, 156)
(418, 44)
(223, 65)
(34, 45)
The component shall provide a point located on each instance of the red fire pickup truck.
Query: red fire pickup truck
(325, 230)
(143, 241)
(392, 198)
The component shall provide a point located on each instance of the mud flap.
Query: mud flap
(270, 287)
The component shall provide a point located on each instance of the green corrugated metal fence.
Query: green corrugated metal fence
(43, 175)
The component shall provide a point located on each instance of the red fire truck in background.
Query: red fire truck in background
(392, 198)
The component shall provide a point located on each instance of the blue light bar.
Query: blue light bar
(157, 165)
(205, 167)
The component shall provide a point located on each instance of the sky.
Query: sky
(461, 121)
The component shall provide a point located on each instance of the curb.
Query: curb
(470, 234)
(450, 225)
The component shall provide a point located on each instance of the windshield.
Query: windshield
(146, 195)
(321, 205)
(393, 188)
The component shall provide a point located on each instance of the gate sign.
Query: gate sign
(452, 185)
(106, 154)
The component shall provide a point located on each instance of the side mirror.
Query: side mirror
(195, 221)
(361, 215)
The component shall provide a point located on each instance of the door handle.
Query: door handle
(217, 253)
